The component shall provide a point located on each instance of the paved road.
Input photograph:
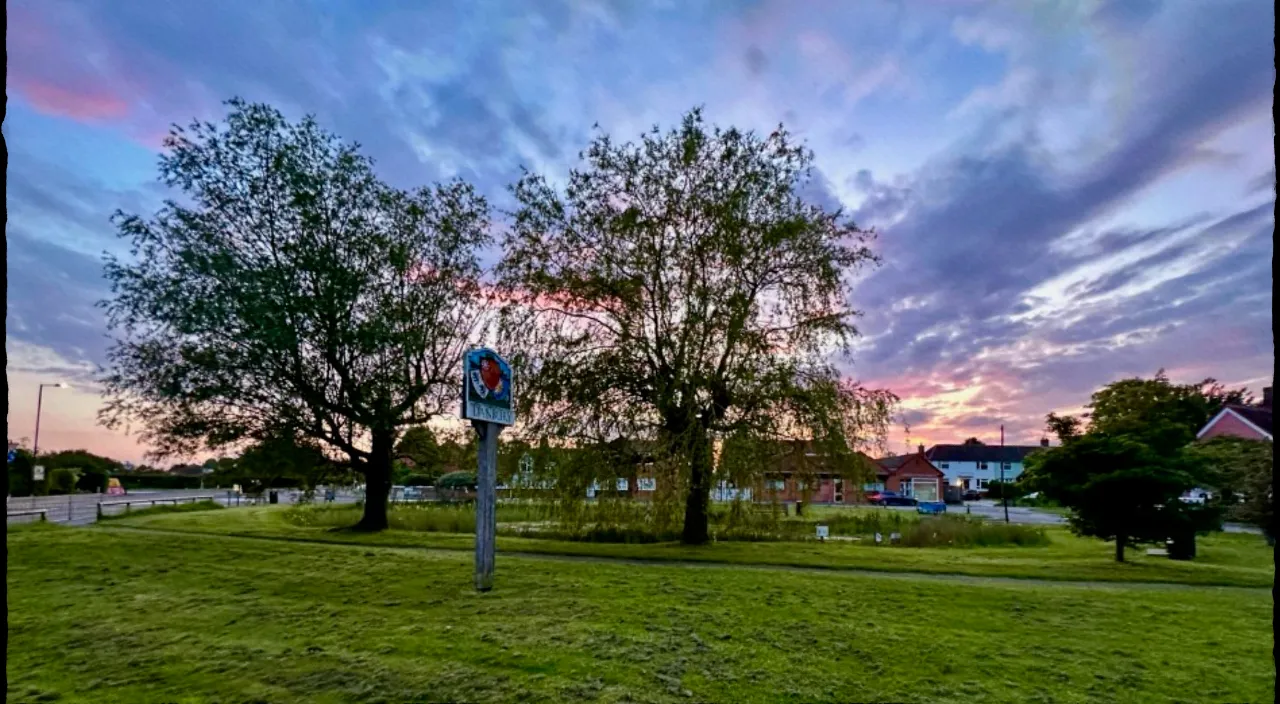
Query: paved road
(81, 509)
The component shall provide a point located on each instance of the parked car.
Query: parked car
(873, 496)
(974, 495)
(893, 498)
(931, 507)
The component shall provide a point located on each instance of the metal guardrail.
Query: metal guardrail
(175, 500)
(43, 512)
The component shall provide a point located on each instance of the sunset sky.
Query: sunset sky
(1065, 195)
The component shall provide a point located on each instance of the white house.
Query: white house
(974, 466)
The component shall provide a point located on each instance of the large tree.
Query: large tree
(1142, 405)
(680, 290)
(291, 292)
(1120, 488)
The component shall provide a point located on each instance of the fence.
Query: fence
(128, 505)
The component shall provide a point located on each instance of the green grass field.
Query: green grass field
(107, 614)
(1224, 559)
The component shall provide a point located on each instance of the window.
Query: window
(944, 465)
(982, 465)
(647, 484)
(622, 484)
(905, 487)
(1006, 465)
(980, 483)
(873, 486)
(777, 484)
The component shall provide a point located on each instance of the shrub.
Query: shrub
(458, 480)
(1001, 490)
(63, 481)
(418, 479)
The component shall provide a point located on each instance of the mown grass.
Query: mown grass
(102, 614)
(1223, 559)
(162, 510)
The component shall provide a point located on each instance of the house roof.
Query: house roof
(1257, 416)
(980, 453)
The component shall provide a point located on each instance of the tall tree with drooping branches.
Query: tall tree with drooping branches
(680, 289)
(290, 292)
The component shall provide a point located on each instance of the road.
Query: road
(81, 509)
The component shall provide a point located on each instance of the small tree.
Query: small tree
(418, 445)
(290, 294)
(679, 291)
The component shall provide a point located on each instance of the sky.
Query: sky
(1065, 193)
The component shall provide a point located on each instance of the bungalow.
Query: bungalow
(1249, 422)
(911, 475)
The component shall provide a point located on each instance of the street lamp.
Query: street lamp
(35, 445)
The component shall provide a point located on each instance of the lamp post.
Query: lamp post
(35, 444)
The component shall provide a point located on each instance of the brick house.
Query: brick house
(1249, 422)
(911, 475)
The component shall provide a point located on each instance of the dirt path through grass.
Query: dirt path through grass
(896, 574)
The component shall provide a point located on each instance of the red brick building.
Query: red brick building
(1249, 422)
(912, 475)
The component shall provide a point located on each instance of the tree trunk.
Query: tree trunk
(377, 477)
(1119, 548)
(699, 498)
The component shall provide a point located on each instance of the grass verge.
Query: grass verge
(193, 507)
(129, 616)
(1223, 559)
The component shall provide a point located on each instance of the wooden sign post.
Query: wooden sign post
(487, 402)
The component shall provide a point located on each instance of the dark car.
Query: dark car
(973, 495)
(893, 498)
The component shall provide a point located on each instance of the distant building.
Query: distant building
(973, 466)
(1249, 422)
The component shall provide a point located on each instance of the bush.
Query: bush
(92, 481)
(418, 479)
(63, 481)
(1001, 490)
(457, 480)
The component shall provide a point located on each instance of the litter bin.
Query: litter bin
(273, 498)
(1182, 546)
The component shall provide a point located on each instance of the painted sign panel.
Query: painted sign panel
(486, 387)
(37, 473)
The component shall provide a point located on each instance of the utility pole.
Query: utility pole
(1004, 490)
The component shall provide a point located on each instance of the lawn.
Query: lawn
(107, 614)
(1223, 559)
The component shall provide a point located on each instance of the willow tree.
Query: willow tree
(290, 292)
(681, 290)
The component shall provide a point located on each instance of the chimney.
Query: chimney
(1266, 397)
(922, 449)
(1044, 442)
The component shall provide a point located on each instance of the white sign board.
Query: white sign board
(37, 473)
(822, 532)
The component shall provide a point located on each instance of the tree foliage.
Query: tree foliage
(680, 290)
(279, 461)
(1242, 472)
(1124, 475)
(418, 445)
(1148, 407)
(290, 292)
